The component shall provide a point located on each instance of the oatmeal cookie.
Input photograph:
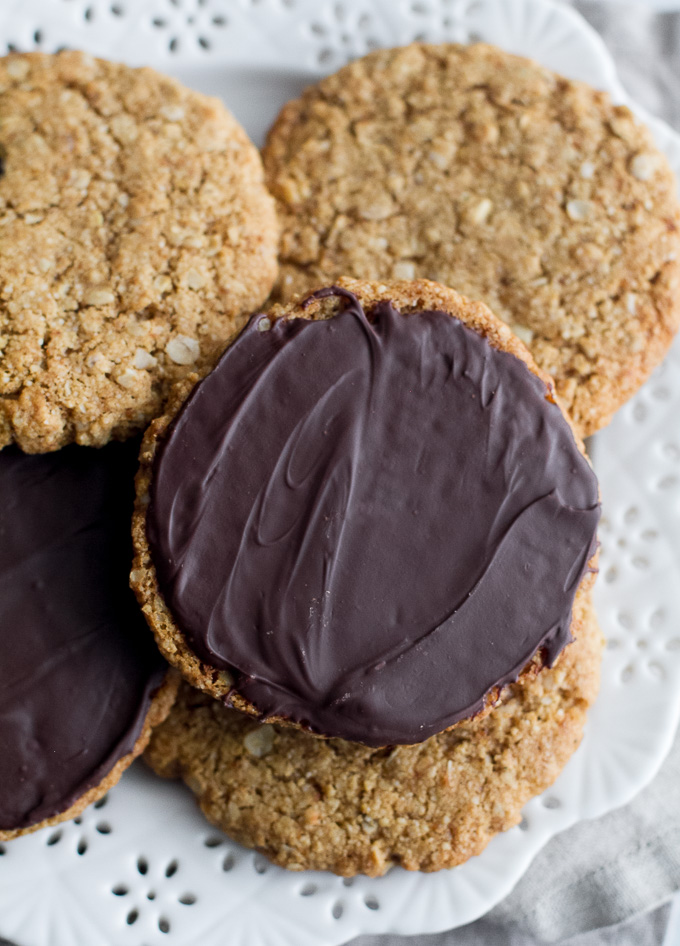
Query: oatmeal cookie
(135, 233)
(490, 174)
(81, 680)
(368, 519)
(314, 804)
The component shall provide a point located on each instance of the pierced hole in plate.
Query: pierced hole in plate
(340, 12)
(475, 37)
(364, 21)
(12, 48)
(551, 803)
(78, 820)
(159, 22)
(420, 9)
(673, 644)
(611, 575)
(188, 899)
(640, 562)
(627, 673)
(657, 619)
(656, 670)
(625, 619)
(164, 925)
(318, 29)
(631, 515)
(120, 890)
(219, 21)
(668, 482)
(338, 910)
(622, 543)
(151, 895)
(308, 890)
(371, 902)
(117, 10)
(661, 393)
(54, 838)
(420, 38)
(203, 42)
(38, 37)
(639, 413)
(672, 451)
(261, 864)
(173, 45)
(649, 535)
(348, 881)
(325, 55)
(142, 865)
(372, 43)
(524, 824)
(171, 869)
(613, 643)
(228, 862)
(213, 841)
(101, 802)
(132, 917)
(82, 846)
(88, 15)
(642, 644)
(3, 850)
(103, 827)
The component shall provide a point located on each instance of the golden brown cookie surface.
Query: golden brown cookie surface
(312, 804)
(135, 232)
(492, 175)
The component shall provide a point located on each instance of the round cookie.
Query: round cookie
(490, 174)
(81, 681)
(383, 521)
(135, 232)
(314, 804)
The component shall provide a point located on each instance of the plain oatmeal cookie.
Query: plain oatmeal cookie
(490, 174)
(312, 804)
(135, 232)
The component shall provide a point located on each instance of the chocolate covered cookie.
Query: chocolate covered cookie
(135, 234)
(315, 804)
(368, 519)
(81, 680)
(493, 175)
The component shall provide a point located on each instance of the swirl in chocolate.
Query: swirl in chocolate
(78, 668)
(371, 521)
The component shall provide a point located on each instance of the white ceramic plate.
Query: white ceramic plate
(144, 868)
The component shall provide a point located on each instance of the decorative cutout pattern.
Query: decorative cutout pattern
(142, 866)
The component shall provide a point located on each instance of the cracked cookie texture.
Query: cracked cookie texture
(488, 173)
(316, 804)
(136, 234)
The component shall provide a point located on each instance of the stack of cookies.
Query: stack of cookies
(365, 526)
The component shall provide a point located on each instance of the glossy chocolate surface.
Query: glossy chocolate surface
(78, 666)
(372, 521)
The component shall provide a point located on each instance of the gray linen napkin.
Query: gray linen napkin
(602, 882)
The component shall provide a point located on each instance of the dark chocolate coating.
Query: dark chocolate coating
(371, 522)
(78, 667)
